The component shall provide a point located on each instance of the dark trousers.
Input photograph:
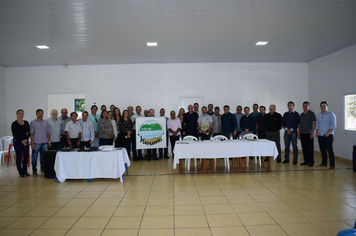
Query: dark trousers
(19, 147)
(85, 144)
(308, 148)
(173, 140)
(215, 134)
(164, 151)
(133, 145)
(105, 141)
(293, 137)
(74, 142)
(124, 142)
(275, 137)
(64, 142)
(326, 144)
(151, 152)
(262, 135)
(55, 146)
(204, 136)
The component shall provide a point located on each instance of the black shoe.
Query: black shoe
(266, 159)
(304, 164)
(285, 161)
(26, 174)
(311, 164)
(166, 156)
(295, 162)
(135, 159)
(279, 161)
(149, 159)
(157, 159)
(22, 176)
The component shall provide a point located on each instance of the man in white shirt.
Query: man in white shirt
(87, 134)
(174, 127)
(73, 131)
(133, 134)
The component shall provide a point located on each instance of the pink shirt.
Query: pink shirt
(174, 125)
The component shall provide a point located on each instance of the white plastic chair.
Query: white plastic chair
(226, 160)
(4, 147)
(252, 136)
(189, 138)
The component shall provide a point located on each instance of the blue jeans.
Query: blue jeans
(133, 142)
(39, 148)
(64, 142)
(96, 142)
(287, 139)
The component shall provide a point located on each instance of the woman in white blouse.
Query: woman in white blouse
(113, 122)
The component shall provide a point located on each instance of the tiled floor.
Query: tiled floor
(155, 200)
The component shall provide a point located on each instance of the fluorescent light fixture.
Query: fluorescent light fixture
(152, 44)
(42, 47)
(261, 43)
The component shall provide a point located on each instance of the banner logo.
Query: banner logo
(150, 132)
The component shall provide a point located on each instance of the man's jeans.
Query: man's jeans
(39, 148)
(287, 139)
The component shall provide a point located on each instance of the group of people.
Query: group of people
(111, 127)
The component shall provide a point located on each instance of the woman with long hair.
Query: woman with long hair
(113, 123)
(21, 132)
(117, 117)
(106, 131)
(125, 126)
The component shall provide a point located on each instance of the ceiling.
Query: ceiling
(116, 31)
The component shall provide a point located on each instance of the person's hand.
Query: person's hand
(24, 142)
(78, 143)
(91, 142)
(312, 136)
(128, 133)
(299, 136)
(203, 131)
(288, 131)
(49, 145)
(96, 134)
(235, 133)
(114, 139)
(69, 143)
(316, 134)
(33, 146)
(110, 135)
(247, 130)
(327, 134)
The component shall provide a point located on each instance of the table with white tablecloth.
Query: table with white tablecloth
(223, 149)
(91, 165)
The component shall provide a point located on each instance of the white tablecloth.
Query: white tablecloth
(222, 149)
(91, 165)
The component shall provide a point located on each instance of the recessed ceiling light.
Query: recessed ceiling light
(42, 47)
(152, 44)
(261, 43)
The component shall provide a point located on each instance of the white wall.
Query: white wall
(159, 85)
(329, 78)
(3, 130)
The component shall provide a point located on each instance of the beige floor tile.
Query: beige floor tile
(156, 232)
(80, 202)
(129, 211)
(256, 219)
(207, 192)
(7, 220)
(16, 211)
(116, 232)
(185, 193)
(266, 198)
(71, 211)
(193, 232)
(16, 232)
(157, 222)
(124, 222)
(247, 208)
(289, 217)
(187, 201)
(133, 202)
(32, 222)
(107, 202)
(331, 204)
(218, 209)
(190, 221)
(233, 192)
(304, 205)
(331, 228)
(8, 202)
(91, 223)
(349, 201)
(340, 194)
(318, 216)
(79, 232)
(65, 194)
(44, 232)
(265, 230)
(58, 202)
(305, 229)
(157, 201)
(240, 199)
(257, 191)
(111, 194)
(43, 211)
(223, 220)
(139, 194)
(189, 210)
(229, 231)
(159, 211)
(85, 195)
(214, 200)
(344, 214)
(100, 211)
(29, 202)
(161, 193)
(278, 206)
(59, 222)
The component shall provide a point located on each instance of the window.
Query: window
(350, 112)
(79, 107)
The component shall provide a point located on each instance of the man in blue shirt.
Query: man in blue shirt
(290, 124)
(238, 116)
(325, 126)
(228, 123)
(247, 122)
(254, 114)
